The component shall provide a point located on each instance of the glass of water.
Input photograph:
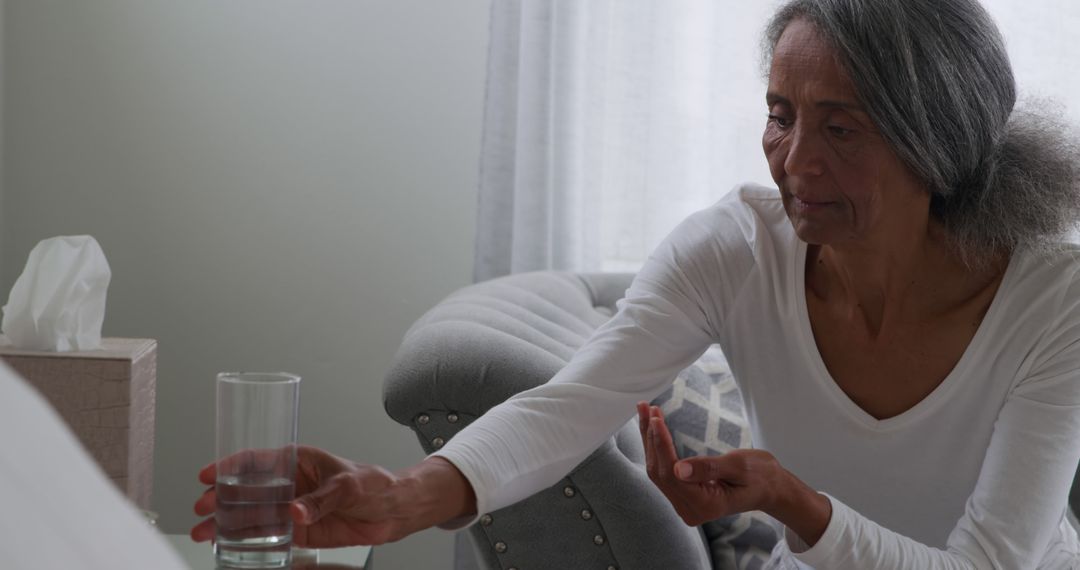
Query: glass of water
(257, 417)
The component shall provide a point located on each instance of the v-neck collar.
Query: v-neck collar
(820, 373)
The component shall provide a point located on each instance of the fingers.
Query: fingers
(660, 455)
(299, 512)
(252, 518)
(204, 531)
(663, 449)
(643, 419)
(207, 503)
(208, 474)
(643, 426)
(665, 445)
(309, 508)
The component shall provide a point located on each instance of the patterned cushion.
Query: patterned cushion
(704, 411)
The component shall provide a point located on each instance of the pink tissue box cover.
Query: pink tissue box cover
(107, 397)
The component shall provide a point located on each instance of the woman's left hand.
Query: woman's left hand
(705, 488)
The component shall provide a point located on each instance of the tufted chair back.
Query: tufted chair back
(491, 340)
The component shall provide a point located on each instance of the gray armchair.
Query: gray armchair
(488, 341)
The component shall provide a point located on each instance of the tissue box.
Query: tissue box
(107, 398)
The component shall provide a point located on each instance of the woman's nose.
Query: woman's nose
(805, 154)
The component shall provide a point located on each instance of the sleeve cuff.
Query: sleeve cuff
(822, 554)
(481, 498)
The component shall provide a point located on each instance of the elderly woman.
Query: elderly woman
(901, 317)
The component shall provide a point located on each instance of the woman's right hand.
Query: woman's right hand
(344, 503)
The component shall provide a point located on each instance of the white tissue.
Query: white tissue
(58, 303)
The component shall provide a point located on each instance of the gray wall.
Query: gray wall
(3, 70)
(277, 185)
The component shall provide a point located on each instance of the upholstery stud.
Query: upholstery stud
(598, 540)
(586, 514)
(568, 491)
(500, 547)
(423, 419)
(612, 568)
(438, 442)
(485, 520)
(452, 418)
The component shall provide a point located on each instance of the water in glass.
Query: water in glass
(254, 527)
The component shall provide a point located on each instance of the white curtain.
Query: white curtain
(609, 121)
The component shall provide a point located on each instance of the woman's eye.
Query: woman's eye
(779, 121)
(840, 132)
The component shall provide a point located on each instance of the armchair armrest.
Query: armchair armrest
(491, 340)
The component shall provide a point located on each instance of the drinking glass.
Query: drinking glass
(257, 417)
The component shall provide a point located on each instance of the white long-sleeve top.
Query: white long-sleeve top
(976, 475)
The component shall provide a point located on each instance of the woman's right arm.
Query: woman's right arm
(343, 503)
(667, 319)
(515, 449)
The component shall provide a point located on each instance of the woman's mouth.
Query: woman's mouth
(809, 205)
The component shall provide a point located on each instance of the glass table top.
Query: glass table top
(200, 556)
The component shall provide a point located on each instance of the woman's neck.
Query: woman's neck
(887, 283)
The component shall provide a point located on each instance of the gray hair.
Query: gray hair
(936, 80)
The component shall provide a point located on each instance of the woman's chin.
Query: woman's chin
(815, 233)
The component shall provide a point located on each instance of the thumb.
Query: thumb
(312, 507)
(702, 469)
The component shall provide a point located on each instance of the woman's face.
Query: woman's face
(840, 181)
